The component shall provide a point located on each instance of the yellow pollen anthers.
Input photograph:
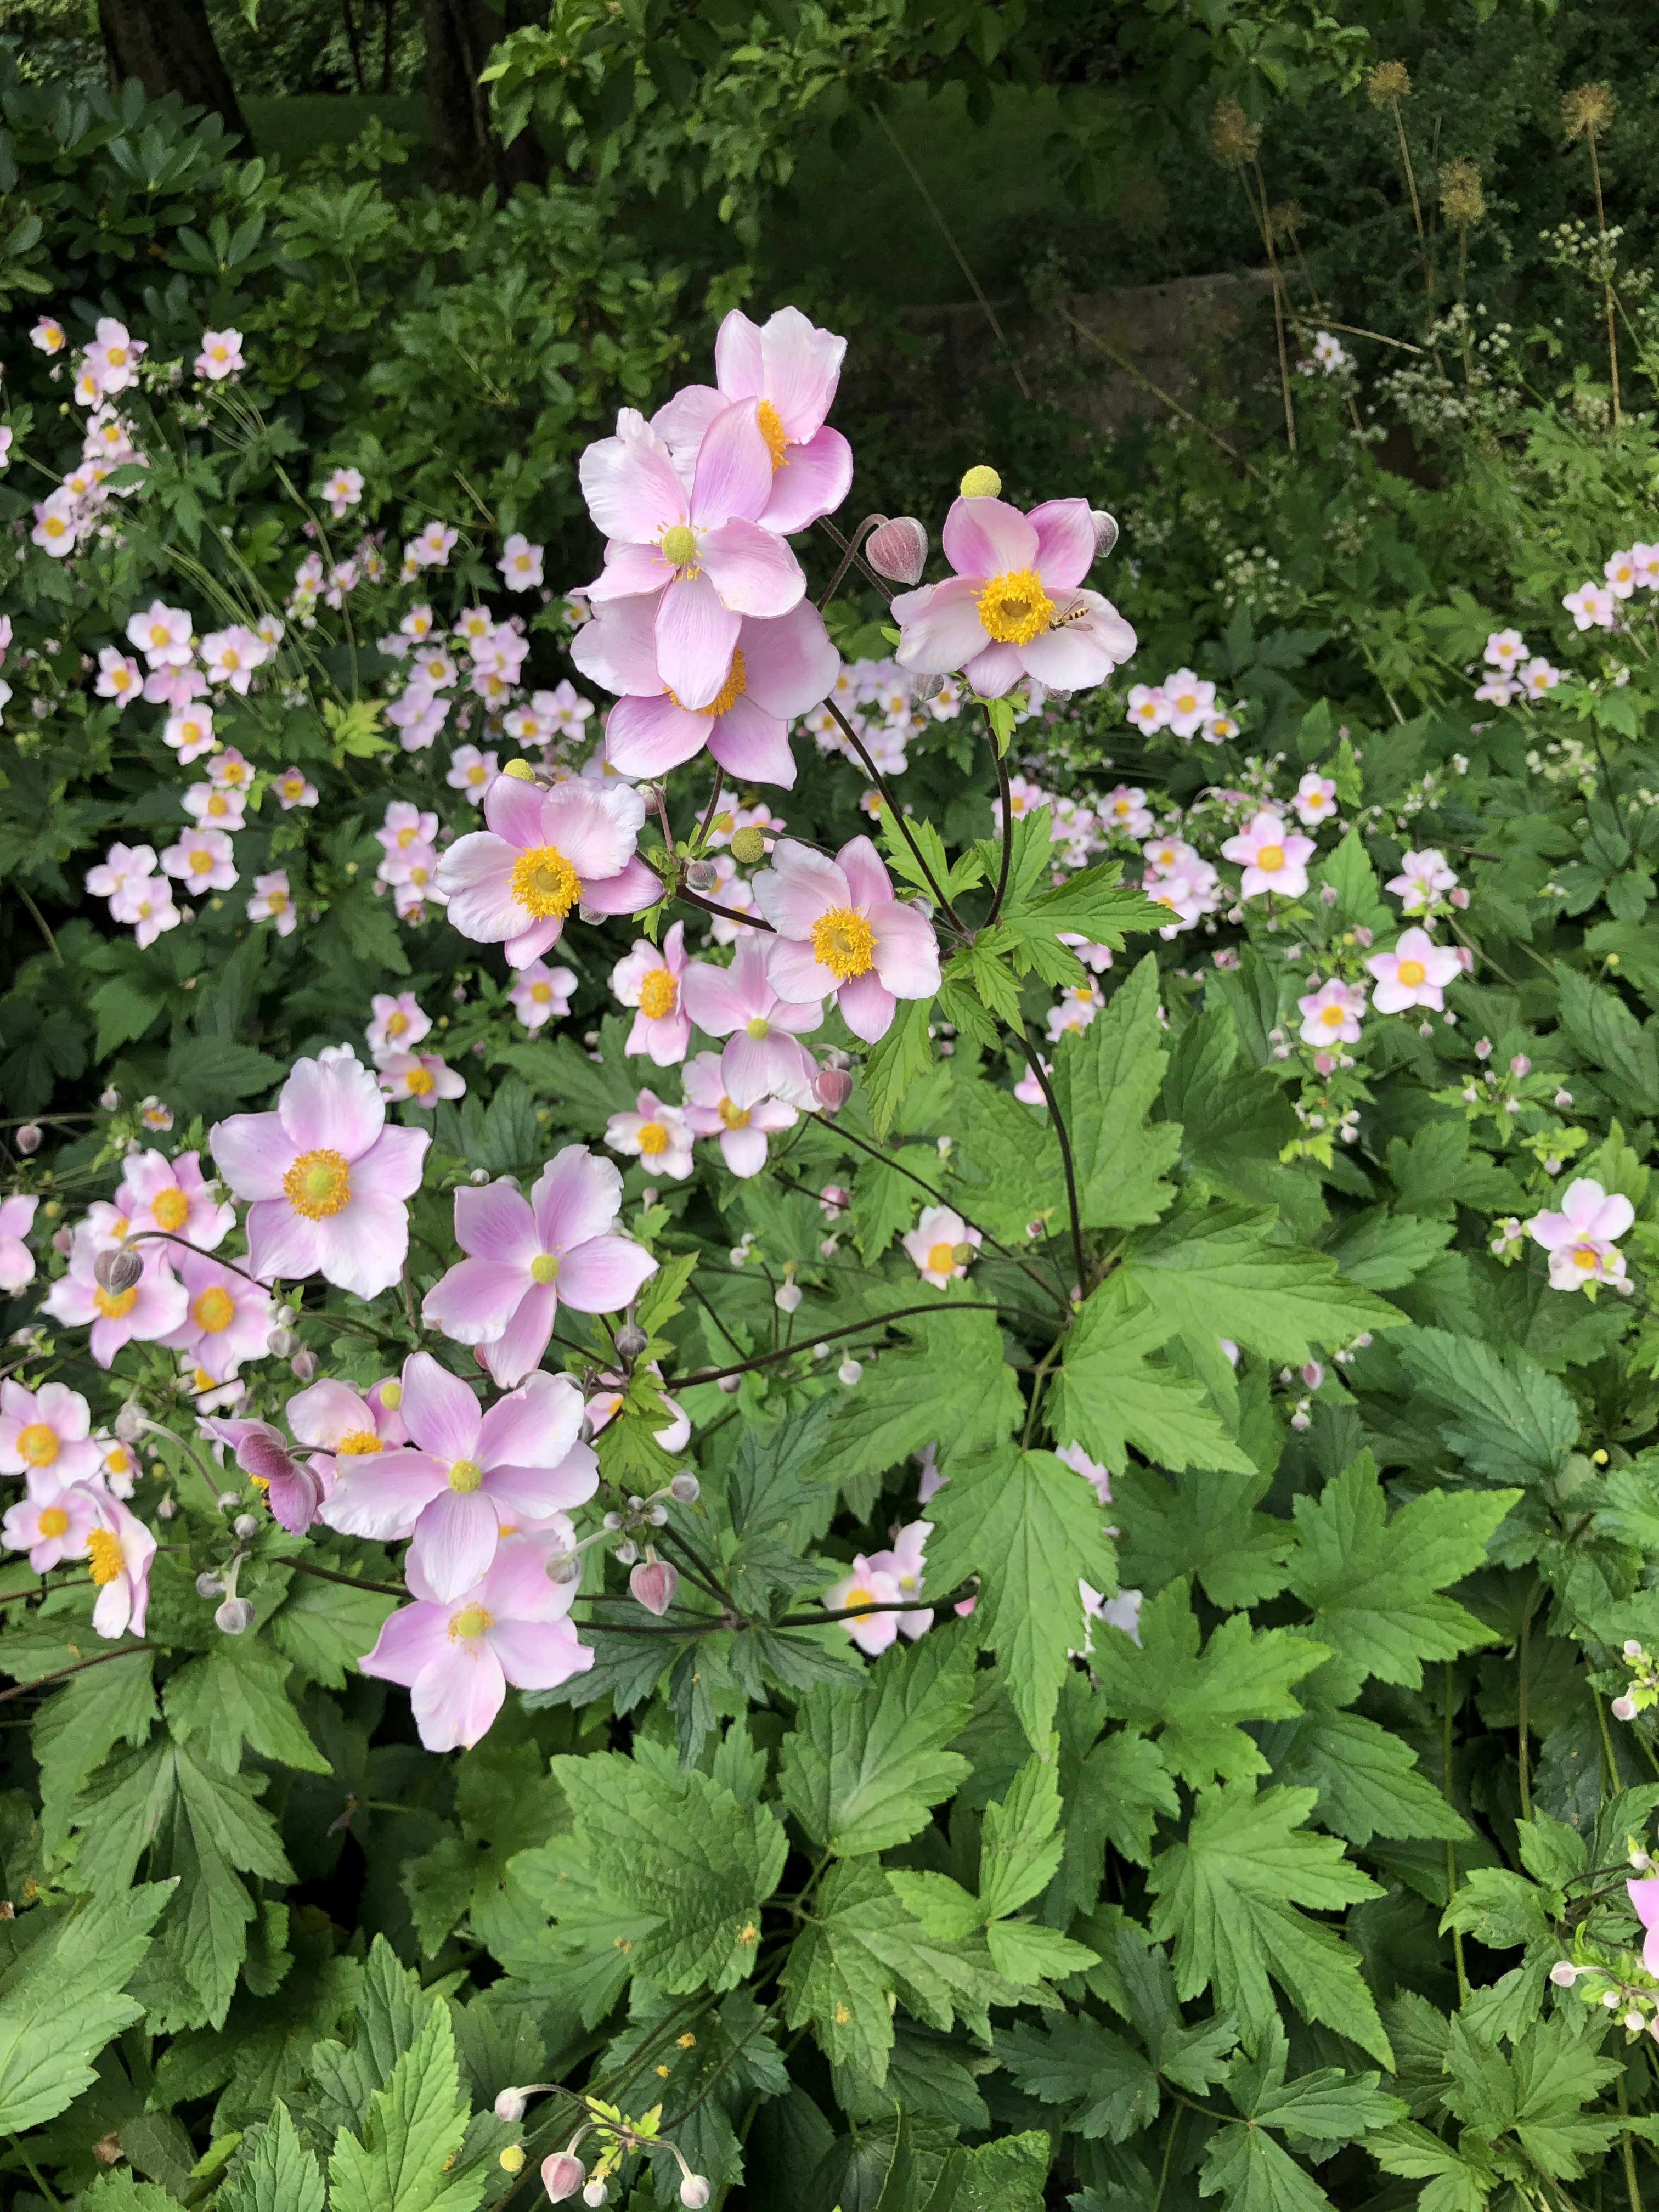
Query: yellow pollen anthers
(844, 943)
(1411, 972)
(213, 1309)
(660, 993)
(1333, 1016)
(541, 993)
(735, 1117)
(736, 684)
(543, 881)
(397, 1023)
(1269, 858)
(464, 1476)
(52, 1521)
(772, 429)
(37, 1444)
(419, 1081)
(679, 545)
(467, 1626)
(104, 1555)
(859, 1596)
(545, 1268)
(1013, 607)
(654, 1139)
(1585, 1256)
(318, 1183)
(355, 1442)
(114, 1305)
(941, 1258)
(170, 1209)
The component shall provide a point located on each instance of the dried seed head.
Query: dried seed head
(1234, 139)
(1286, 220)
(1586, 107)
(1386, 82)
(1461, 200)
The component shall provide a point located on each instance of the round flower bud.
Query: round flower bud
(228, 1500)
(281, 1344)
(245, 1525)
(727, 1384)
(129, 1423)
(1105, 530)
(631, 1340)
(626, 1553)
(695, 2191)
(980, 483)
(563, 1567)
(748, 845)
(701, 875)
(165, 1508)
(595, 2193)
(654, 1583)
(684, 1487)
(116, 1272)
(848, 1372)
(1564, 1974)
(29, 1137)
(510, 2104)
(1624, 1709)
(562, 2175)
(832, 1087)
(235, 1616)
(1632, 1648)
(303, 1365)
(787, 1297)
(898, 550)
(110, 1100)
(208, 1585)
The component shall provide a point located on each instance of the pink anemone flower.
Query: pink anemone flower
(867, 1584)
(792, 368)
(649, 980)
(295, 1490)
(739, 1003)
(905, 1560)
(742, 1125)
(1644, 1903)
(1273, 859)
(654, 1133)
(174, 1197)
(150, 1309)
(1013, 608)
(543, 853)
(120, 1548)
(464, 1470)
(525, 1254)
(1331, 1011)
(46, 1432)
(941, 1245)
(334, 1420)
(52, 1524)
(17, 1260)
(328, 1179)
(1580, 1239)
(841, 935)
(1414, 973)
(457, 1656)
(703, 552)
(229, 1319)
(778, 668)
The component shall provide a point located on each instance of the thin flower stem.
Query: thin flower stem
(857, 1612)
(351, 1582)
(726, 913)
(1524, 1723)
(1265, 224)
(1606, 279)
(853, 1328)
(850, 556)
(1034, 1062)
(40, 922)
(881, 784)
(1007, 795)
(849, 545)
(1131, 369)
(1451, 1848)
(713, 801)
(701, 1573)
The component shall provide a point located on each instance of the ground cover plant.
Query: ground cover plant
(829, 1378)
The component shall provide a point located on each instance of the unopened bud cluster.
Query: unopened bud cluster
(1644, 1691)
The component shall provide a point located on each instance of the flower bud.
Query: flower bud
(1624, 1709)
(590, 914)
(1519, 1065)
(654, 1583)
(1564, 1974)
(701, 875)
(510, 2104)
(562, 2175)
(630, 1340)
(897, 550)
(27, 1138)
(303, 1365)
(116, 1272)
(244, 1526)
(62, 1240)
(208, 1585)
(1632, 1648)
(727, 1384)
(165, 1508)
(234, 1616)
(832, 1087)
(848, 1373)
(787, 1297)
(563, 1567)
(282, 1343)
(695, 2191)
(1105, 530)
(627, 1552)
(110, 1100)
(595, 2193)
(684, 1487)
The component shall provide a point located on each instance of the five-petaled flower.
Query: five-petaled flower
(841, 935)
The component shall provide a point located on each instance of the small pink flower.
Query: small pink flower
(227, 1320)
(47, 335)
(1619, 569)
(742, 1124)
(1315, 799)
(51, 1522)
(1190, 702)
(162, 635)
(294, 1488)
(58, 524)
(1538, 678)
(273, 902)
(190, 733)
(211, 808)
(150, 1309)
(121, 865)
(607, 1402)
(1423, 876)
(173, 1197)
(292, 790)
(524, 1255)
(649, 980)
(421, 1077)
(520, 563)
(1273, 858)
(464, 1470)
(398, 1024)
(17, 1260)
(1330, 1013)
(1077, 1008)
(841, 935)
(472, 773)
(867, 1584)
(203, 860)
(1414, 973)
(329, 1178)
(542, 991)
(342, 489)
(1013, 608)
(653, 1133)
(942, 1245)
(1505, 650)
(1592, 607)
(457, 1656)
(230, 656)
(1644, 1903)
(1580, 1238)
(220, 354)
(120, 1549)
(46, 1432)
(739, 1002)
(431, 547)
(119, 676)
(1126, 809)
(148, 905)
(543, 853)
(905, 1562)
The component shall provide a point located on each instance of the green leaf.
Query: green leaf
(1204, 1526)
(79, 1725)
(1252, 2172)
(1200, 1703)
(1094, 903)
(1109, 1394)
(1228, 1896)
(62, 2000)
(1006, 1159)
(123, 1013)
(1384, 1251)
(1459, 2177)
(1026, 1951)
(895, 1061)
(239, 1693)
(865, 1763)
(1235, 1121)
(280, 2175)
(1030, 1528)
(1506, 1416)
(1105, 1079)
(1006, 2176)
(1600, 1025)
(415, 2127)
(1019, 1848)
(953, 1389)
(836, 1975)
(325, 1627)
(1373, 1585)
(389, 2017)
(1367, 1779)
(1125, 1785)
(1110, 2088)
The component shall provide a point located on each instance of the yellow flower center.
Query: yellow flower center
(213, 1309)
(541, 993)
(679, 545)
(277, 902)
(735, 1117)
(54, 525)
(653, 1138)
(420, 1080)
(941, 1258)
(466, 1475)
(37, 1444)
(1270, 857)
(859, 1596)
(543, 881)
(772, 429)
(417, 876)
(757, 1026)
(545, 1268)
(52, 1521)
(659, 994)
(406, 836)
(1331, 1016)
(200, 861)
(1013, 607)
(1585, 1256)
(1411, 972)
(844, 943)
(169, 1209)
(355, 1442)
(736, 684)
(114, 1305)
(469, 1623)
(318, 1183)
(104, 1555)
(118, 1460)
(218, 804)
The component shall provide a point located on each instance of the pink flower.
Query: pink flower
(431, 547)
(272, 901)
(211, 808)
(1013, 608)
(1619, 569)
(220, 354)
(739, 1002)
(1497, 690)
(17, 1260)
(520, 563)
(148, 905)
(1189, 702)
(120, 1549)
(1591, 607)
(471, 772)
(230, 656)
(776, 669)
(423, 1076)
(1315, 799)
(525, 1254)
(57, 523)
(1644, 1903)
(1414, 973)
(742, 1123)
(606, 1403)
(1505, 650)
(119, 676)
(148, 1310)
(51, 1522)
(792, 369)
(464, 1470)
(841, 935)
(1273, 859)
(1126, 809)
(121, 865)
(190, 733)
(1076, 1008)
(543, 852)
(1580, 1238)
(1092, 1471)
(228, 1318)
(1538, 678)
(397, 1022)
(292, 790)
(456, 1657)
(866, 1584)
(47, 335)
(1331, 1012)
(46, 1432)
(334, 1419)
(328, 1179)
(342, 489)
(905, 1562)
(648, 979)
(942, 1245)
(1422, 877)
(201, 859)
(654, 1133)
(173, 1197)
(162, 635)
(293, 1489)
(541, 992)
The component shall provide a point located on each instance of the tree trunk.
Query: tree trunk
(460, 35)
(168, 45)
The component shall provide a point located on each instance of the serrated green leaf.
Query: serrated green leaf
(1109, 1394)
(1108, 2087)
(278, 2175)
(895, 1061)
(63, 2000)
(1105, 1078)
(1503, 1413)
(239, 1693)
(415, 2127)
(866, 1764)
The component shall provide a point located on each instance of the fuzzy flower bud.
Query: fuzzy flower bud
(511, 2104)
(1105, 530)
(701, 875)
(110, 1100)
(303, 1365)
(116, 1272)
(694, 2192)
(129, 1423)
(684, 1487)
(1624, 1709)
(235, 1616)
(652, 1584)
(898, 550)
(27, 1138)
(631, 1340)
(832, 1087)
(562, 2175)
